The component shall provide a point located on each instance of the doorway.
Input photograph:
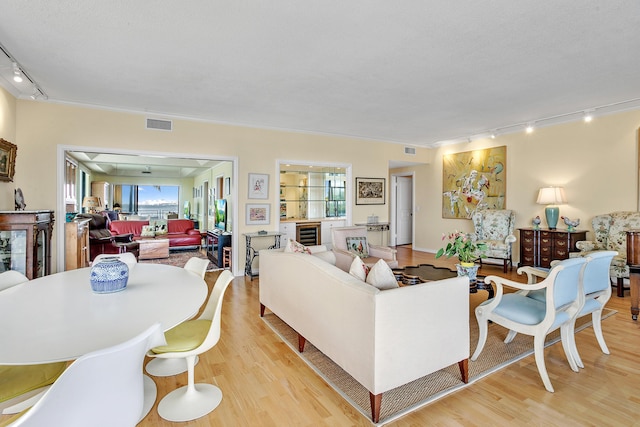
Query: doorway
(402, 210)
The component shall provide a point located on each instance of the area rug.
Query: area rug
(179, 258)
(409, 397)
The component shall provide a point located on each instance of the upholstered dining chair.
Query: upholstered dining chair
(521, 314)
(168, 367)
(494, 228)
(186, 341)
(23, 385)
(11, 278)
(350, 242)
(101, 388)
(595, 293)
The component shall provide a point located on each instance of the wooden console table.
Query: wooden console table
(539, 247)
(252, 253)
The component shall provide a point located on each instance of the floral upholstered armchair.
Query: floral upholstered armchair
(610, 234)
(494, 228)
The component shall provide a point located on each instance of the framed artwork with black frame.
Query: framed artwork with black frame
(7, 160)
(370, 191)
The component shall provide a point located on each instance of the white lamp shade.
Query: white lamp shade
(551, 196)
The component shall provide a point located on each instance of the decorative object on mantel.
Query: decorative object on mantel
(19, 199)
(571, 225)
(536, 222)
(7, 160)
(109, 275)
(464, 246)
(551, 196)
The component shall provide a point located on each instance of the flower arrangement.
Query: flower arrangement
(463, 246)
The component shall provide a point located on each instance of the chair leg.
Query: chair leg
(538, 347)
(483, 326)
(620, 287)
(510, 336)
(567, 336)
(191, 401)
(504, 268)
(596, 317)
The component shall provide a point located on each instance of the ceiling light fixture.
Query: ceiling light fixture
(17, 73)
(588, 116)
(529, 128)
(492, 135)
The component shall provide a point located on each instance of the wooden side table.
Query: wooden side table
(539, 247)
(226, 257)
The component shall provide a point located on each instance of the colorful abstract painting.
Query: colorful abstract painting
(474, 180)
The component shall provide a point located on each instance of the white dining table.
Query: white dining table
(59, 318)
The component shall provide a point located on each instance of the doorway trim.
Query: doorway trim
(60, 205)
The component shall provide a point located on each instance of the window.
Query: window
(156, 201)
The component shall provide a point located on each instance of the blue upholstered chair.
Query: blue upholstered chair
(521, 314)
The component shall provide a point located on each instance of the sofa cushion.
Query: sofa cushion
(148, 231)
(127, 227)
(180, 226)
(358, 246)
(159, 226)
(359, 269)
(381, 276)
(293, 246)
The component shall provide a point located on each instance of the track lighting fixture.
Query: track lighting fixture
(17, 73)
(492, 135)
(588, 116)
(529, 128)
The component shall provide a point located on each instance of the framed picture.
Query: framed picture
(474, 180)
(257, 214)
(370, 191)
(258, 186)
(7, 160)
(227, 186)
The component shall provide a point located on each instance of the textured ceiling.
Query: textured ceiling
(412, 71)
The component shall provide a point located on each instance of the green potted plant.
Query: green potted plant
(464, 246)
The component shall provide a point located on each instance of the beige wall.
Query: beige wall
(596, 162)
(8, 133)
(42, 127)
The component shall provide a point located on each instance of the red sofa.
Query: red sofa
(180, 232)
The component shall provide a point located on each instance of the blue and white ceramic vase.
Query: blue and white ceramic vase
(109, 275)
(470, 271)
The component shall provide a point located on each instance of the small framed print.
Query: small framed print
(7, 160)
(370, 191)
(258, 186)
(227, 186)
(257, 214)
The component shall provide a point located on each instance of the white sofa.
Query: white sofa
(383, 339)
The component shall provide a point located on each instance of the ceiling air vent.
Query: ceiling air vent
(410, 150)
(159, 124)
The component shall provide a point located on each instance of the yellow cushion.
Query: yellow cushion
(13, 418)
(17, 380)
(184, 337)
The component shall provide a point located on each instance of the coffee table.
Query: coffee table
(412, 275)
(153, 248)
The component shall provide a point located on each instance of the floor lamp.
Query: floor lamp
(551, 196)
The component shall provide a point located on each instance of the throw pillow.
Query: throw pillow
(358, 246)
(160, 226)
(293, 246)
(147, 231)
(381, 276)
(359, 269)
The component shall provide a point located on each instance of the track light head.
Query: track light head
(529, 128)
(588, 116)
(17, 73)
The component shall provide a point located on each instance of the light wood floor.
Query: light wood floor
(265, 384)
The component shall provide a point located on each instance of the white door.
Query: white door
(404, 210)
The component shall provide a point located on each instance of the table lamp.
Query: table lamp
(551, 196)
(91, 203)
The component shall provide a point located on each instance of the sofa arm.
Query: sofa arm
(383, 252)
(193, 232)
(586, 245)
(123, 238)
(343, 259)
